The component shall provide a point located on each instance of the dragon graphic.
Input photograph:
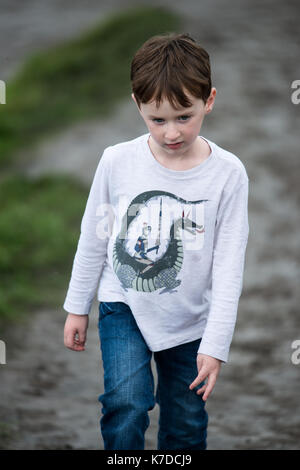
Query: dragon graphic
(138, 271)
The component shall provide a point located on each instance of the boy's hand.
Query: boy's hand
(208, 367)
(75, 331)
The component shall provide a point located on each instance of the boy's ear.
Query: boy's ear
(211, 100)
(134, 99)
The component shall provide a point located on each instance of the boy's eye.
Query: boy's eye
(180, 118)
(184, 118)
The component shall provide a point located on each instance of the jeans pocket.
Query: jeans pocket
(107, 308)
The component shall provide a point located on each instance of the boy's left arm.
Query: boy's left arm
(231, 236)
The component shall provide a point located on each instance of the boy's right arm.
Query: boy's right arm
(91, 253)
(75, 331)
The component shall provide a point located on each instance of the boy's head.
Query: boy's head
(171, 86)
(171, 67)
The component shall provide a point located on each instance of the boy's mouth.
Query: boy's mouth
(174, 146)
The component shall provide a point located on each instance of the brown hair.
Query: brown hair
(166, 65)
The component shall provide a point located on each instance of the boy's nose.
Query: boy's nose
(172, 134)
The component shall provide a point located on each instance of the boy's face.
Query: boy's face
(174, 132)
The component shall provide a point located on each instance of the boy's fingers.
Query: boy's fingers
(68, 337)
(200, 377)
(75, 332)
(81, 337)
(202, 389)
(72, 341)
(76, 347)
(210, 385)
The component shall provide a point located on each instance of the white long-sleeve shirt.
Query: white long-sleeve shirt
(171, 244)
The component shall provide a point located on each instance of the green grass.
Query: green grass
(79, 79)
(40, 219)
(7, 432)
(39, 229)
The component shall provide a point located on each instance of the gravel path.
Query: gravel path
(49, 394)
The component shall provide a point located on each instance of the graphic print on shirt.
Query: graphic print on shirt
(156, 229)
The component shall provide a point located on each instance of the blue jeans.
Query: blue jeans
(129, 387)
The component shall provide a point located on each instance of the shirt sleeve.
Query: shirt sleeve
(89, 260)
(231, 236)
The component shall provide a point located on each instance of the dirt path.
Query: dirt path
(49, 394)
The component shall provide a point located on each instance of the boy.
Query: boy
(165, 231)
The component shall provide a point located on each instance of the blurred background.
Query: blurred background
(66, 69)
